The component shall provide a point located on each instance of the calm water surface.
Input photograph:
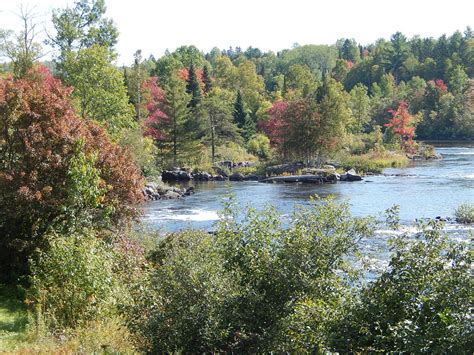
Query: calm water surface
(423, 189)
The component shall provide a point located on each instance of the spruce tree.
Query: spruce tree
(193, 88)
(239, 111)
(206, 77)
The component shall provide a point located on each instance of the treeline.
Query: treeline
(361, 85)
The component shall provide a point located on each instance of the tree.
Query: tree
(56, 169)
(403, 125)
(206, 77)
(193, 88)
(171, 124)
(82, 27)
(239, 111)
(360, 104)
(335, 116)
(99, 88)
(350, 51)
(22, 50)
(299, 82)
(135, 80)
(218, 120)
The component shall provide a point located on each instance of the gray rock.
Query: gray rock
(251, 177)
(351, 175)
(236, 177)
(175, 175)
(170, 195)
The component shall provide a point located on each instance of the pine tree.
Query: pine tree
(206, 76)
(249, 129)
(193, 88)
(180, 139)
(239, 111)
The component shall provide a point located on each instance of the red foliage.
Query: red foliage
(184, 74)
(153, 101)
(276, 127)
(403, 125)
(38, 137)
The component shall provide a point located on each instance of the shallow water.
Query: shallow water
(423, 190)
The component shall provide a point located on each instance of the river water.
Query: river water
(422, 190)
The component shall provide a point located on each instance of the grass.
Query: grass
(13, 319)
(373, 162)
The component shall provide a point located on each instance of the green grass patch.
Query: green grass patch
(13, 319)
(373, 162)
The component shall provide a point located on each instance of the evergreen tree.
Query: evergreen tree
(239, 111)
(179, 140)
(193, 88)
(206, 76)
(249, 129)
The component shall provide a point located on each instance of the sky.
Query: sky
(156, 25)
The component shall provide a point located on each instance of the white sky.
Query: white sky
(157, 25)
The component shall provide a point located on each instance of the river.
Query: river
(424, 189)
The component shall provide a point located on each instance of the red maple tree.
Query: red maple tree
(403, 125)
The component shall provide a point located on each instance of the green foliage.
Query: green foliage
(218, 120)
(421, 303)
(259, 145)
(82, 26)
(99, 88)
(72, 282)
(193, 88)
(85, 193)
(373, 162)
(465, 213)
(252, 285)
(141, 148)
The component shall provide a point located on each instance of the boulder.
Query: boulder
(202, 176)
(284, 168)
(236, 177)
(220, 171)
(170, 195)
(251, 177)
(332, 177)
(219, 177)
(189, 191)
(350, 175)
(175, 175)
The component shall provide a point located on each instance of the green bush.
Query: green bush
(421, 304)
(465, 213)
(254, 284)
(73, 282)
(259, 145)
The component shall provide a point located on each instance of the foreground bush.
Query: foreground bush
(421, 304)
(76, 291)
(55, 169)
(255, 284)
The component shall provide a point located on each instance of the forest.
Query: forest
(80, 137)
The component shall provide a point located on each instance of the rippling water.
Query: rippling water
(423, 190)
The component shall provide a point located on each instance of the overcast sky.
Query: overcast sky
(157, 25)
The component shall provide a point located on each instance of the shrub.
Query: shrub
(259, 145)
(254, 284)
(73, 282)
(421, 304)
(465, 213)
(39, 141)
